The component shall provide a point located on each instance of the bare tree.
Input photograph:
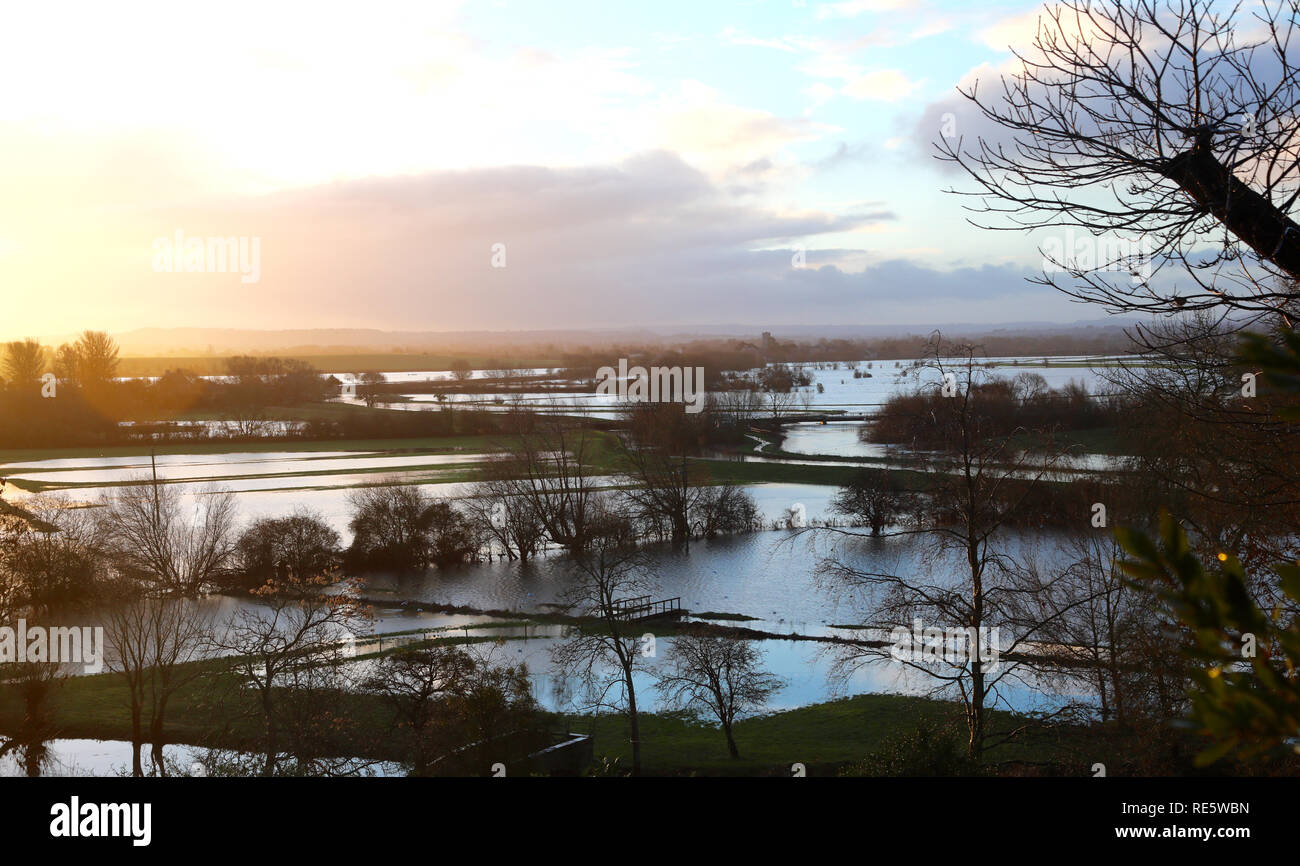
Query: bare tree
(300, 545)
(723, 509)
(158, 539)
(415, 683)
(555, 465)
(1175, 123)
(967, 581)
(51, 563)
(605, 655)
(91, 362)
(1101, 631)
(400, 526)
(297, 627)
(504, 513)
(738, 405)
(665, 489)
(720, 676)
(24, 362)
(875, 497)
(780, 404)
(1227, 464)
(246, 422)
(154, 641)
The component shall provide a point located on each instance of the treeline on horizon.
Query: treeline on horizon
(84, 401)
(91, 395)
(712, 353)
(74, 396)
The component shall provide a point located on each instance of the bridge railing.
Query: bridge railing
(643, 608)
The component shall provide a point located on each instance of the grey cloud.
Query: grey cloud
(648, 241)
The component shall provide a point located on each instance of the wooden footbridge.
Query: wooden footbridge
(644, 607)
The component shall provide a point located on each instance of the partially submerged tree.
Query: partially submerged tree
(503, 514)
(554, 460)
(299, 546)
(876, 498)
(179, 548)
(400, 526)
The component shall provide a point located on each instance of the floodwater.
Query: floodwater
(776, 577)
(839, 389)
(834, 438)
(82, 757)
(841, 439)
(232, 465)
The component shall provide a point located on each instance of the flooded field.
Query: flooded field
(773, 581)
(74, 472)
(833, 387)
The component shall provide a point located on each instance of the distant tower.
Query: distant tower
(767, 342)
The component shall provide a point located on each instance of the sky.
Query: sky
(498, 165)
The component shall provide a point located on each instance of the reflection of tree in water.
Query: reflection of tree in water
(561, 690)
(32, 757)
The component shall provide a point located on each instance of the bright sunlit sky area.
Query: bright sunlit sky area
(639, 163)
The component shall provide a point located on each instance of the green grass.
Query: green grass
(464, 474)
(821, 736)
(213, 711)
(423, 445)
(759, 471)
(96, 707)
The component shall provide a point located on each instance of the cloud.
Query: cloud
(696, 122)
(885, 85)
(896, 280)
(953, 116)
(1012, 32)
(854, 8)
(857, 153)
(650, 239)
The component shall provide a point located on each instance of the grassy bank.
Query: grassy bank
(822, 736)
